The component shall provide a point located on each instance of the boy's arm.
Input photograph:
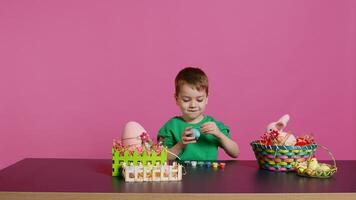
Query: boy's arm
(229, 146)
(176, 149)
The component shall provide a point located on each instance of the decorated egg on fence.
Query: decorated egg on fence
(131, 134)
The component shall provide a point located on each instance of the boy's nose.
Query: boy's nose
(192, 104)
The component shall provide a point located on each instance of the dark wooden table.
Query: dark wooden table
(35, 178)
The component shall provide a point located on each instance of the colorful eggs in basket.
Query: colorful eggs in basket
(313, 164)
(323, 167)
(312, 168)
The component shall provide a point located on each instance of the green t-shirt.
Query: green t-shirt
(206, 147)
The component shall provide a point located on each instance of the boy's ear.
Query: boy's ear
(175, 98)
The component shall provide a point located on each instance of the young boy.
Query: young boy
(191, 95)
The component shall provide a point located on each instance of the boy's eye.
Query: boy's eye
(200, 100)
(186, 99)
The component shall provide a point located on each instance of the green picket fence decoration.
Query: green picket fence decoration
(118, 159)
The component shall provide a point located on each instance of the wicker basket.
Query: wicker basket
(318, 173)
(281, 158)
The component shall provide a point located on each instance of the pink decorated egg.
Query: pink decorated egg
(131, 134)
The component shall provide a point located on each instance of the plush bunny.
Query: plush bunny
(283, 138)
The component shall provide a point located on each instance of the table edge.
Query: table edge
(174, 196)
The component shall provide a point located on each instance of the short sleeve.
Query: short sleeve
(224, 129)
(166, 137)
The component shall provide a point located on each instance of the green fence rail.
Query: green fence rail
(118, 159)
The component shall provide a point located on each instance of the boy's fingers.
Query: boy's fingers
(206, 131)
(188, 133)
(206, 124)
(188, 138)
(206, 128)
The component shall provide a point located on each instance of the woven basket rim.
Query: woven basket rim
(283, 147)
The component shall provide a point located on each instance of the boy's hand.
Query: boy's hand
(187, 136)
(211, 128)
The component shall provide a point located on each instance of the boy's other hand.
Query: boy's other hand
(210, 128)
(187, 136)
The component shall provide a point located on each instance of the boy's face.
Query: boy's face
(191, 102)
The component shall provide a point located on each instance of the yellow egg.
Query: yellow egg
(301, 170)
(323, 168)
(313, 164)
(309, 172)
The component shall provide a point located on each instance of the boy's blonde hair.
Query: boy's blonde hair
(192, 76)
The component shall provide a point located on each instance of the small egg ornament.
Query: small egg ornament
(201, 164)
(196, 133)
(187, 162)
(301, 170)
(323, 168)
(222, 165)
(215, 165)
(313, 164)
(194, 163)
(309, 172)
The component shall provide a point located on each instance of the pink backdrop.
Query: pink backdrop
(73, 72)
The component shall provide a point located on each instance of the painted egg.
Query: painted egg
(289, 139)
(196, 133)
(131, 134)
(215, 165)
(323, 167)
